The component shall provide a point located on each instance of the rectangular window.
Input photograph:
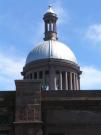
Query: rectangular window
(35, 75)
(40, 75)
(4, 119)
(46, 72)
(30, 76)
(57, 71)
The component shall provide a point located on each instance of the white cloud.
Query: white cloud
(90, 78)
(10, 69)
(94, 33)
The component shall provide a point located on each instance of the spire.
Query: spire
(50, 19)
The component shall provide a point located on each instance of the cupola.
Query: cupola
(52, 61)
(50, 19)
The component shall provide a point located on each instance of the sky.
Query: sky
(22, 28)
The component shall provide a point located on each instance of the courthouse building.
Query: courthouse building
(48, 100)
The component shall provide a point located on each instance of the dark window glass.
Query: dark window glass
(27, 77)
(57, 71)
(47, 72)
(30, 76)
(40, 75)
(35, 75)
(4, 119)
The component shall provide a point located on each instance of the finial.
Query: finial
(50, 10)
(50, 6)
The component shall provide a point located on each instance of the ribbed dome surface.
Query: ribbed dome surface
(51, 49)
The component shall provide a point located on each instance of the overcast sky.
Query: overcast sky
(21, 28)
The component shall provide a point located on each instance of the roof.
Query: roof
(51, 49)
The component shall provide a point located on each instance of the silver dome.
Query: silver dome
(51, 49)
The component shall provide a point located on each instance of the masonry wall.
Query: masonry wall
(7, 112)
(28, 107)
(71, 113)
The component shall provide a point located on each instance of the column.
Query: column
(43, 80)
(78, 83)
(71, 88)
(60, 78)
(50, 26)
(55, 83)
(74, 81)
(52, 75)
(45, 27)
(66, 81)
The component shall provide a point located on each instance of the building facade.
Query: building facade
(48, 100)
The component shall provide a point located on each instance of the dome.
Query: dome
(51, 49)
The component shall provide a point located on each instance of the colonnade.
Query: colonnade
(66, 81)
(61, 80)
